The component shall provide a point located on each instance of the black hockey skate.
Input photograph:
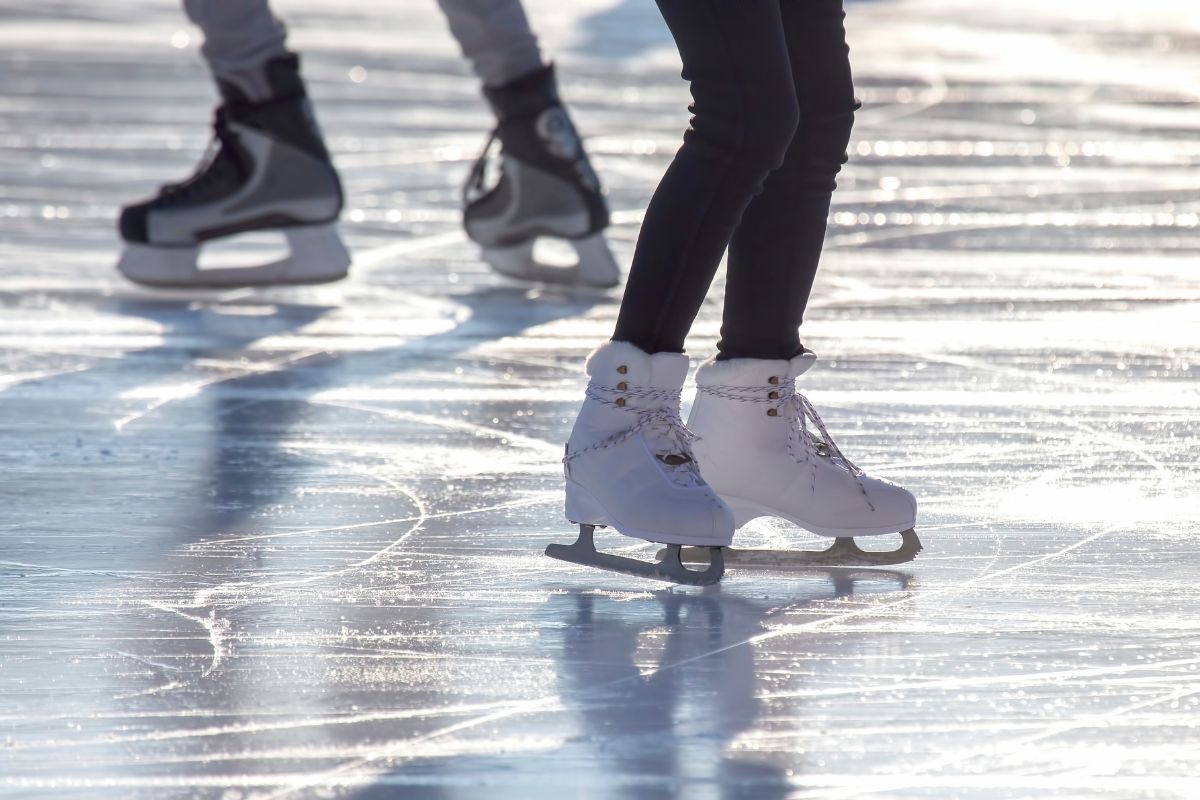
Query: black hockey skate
(546, 188)
(266, 169)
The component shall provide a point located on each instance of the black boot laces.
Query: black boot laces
(220, 165)
(476, 185)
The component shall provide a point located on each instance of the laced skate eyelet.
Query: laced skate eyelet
(772, 412)
(773, 380)
(621, 370)
(622, 386)
(773, 396)
(621, 402)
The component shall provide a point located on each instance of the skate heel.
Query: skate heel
(318, 254)
(743, 511)
(582, 509)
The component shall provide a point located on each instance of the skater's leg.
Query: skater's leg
(267, 169)
(762, 445)
(629, 465)
(547, 187)
(744, 117)
(496, 38)
(239, 37)
(775, 250)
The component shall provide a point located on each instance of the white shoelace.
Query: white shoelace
(662, 423)
(799, 410)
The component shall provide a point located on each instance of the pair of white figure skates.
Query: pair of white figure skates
(268, 170)
(753, 447)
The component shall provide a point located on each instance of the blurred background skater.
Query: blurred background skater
(773, 109)
(268, 169)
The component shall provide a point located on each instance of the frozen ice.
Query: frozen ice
(269, 544)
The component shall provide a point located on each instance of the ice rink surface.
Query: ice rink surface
(277, 544)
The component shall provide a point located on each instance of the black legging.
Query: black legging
(772, 112)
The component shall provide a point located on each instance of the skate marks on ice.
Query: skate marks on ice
(199, 590)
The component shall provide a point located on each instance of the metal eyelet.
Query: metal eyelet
(621, 402)
(622, 386)
(622, 369)
(773, 396)
(773, 380)
(772, 412)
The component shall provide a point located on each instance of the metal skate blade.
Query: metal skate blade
(594, 265)
(668, 568)
(314, 254)
(844, 552)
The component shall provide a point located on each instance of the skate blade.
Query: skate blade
(844, 552)
(316, 255)
(668, 568)
(595, 267)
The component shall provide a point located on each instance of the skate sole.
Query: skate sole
(669, 567)
(746, 511)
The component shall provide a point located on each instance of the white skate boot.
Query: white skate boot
(267, 170)
(758, 449)
(546, 189)
(629, 465)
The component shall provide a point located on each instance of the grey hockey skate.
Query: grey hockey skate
(545, 188)
(267, 169)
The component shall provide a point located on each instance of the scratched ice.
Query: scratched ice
(287, 543)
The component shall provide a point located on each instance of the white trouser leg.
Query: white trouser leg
(239, 36)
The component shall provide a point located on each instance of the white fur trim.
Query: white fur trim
(622, 352)
(752, 371)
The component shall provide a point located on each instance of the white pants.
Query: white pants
(495, 36)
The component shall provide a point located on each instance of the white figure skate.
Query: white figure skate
(629, 465)
(267, 169)
(545, 189)
(758, 449)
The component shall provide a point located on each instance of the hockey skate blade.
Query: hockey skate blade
(844, 552)
(669, 566)
(595, 267)
(316, 255)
